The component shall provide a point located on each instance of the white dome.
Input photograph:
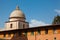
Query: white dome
(17, 13)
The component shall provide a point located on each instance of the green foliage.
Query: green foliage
(56, 20)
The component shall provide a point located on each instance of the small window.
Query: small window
(54, 30)
(55, 38)
(32, 33)
(10, 25)
(46, 31)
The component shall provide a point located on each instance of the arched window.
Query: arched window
(10, 25)
(23, 25)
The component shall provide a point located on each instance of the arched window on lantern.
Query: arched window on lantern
(23, 25)
(11, 25)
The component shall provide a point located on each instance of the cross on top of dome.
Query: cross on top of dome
(17, 7)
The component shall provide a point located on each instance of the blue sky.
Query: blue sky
(34, 10)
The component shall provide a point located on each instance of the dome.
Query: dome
(17, 13)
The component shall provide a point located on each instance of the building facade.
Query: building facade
(51, 32)
(16, 26)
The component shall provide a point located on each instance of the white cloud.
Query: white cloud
(35, 23)
(57, 11)
(2, 29)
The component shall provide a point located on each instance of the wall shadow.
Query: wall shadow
(19, 37)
